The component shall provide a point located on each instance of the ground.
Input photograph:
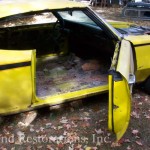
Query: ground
(114, 13)
(78, 125)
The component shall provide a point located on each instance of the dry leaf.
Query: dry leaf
(39, 147)
(147, 116)
(127, 140)
(3, 148)
(135, 114)
(140, 103)
(135, 132)
(48, 147)
(139, 143)
(115, 144)
(63, 120)
(128, 148)
(99, 131)
(48, 125)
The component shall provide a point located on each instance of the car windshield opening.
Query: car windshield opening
(77, 16)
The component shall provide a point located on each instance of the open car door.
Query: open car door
(121, 78)
(16, 80)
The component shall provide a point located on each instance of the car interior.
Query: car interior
(70, 55)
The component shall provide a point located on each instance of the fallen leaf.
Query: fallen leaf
(30, 117)
(127, 140)
(86, 113)
(135, 132)
(128, 148)
(6, 131)
(39, 147)
(53, 127)
(29, 148)
(78, 146)
(60, 127)
(53, 139)
(140, 103)
(135, 114)
(60, 145)
(49, 147)
(139, 143)
(86, 118)
(137, 96)
(147, 116)
(3, 148)
(32, 130)
(137, 137)
(61, 137)
(41, 129)
(86, 124)
(115, 144)
(88, 148)
(108, 134)
(65, 133)
(63, 120)
(48, 125)
(99, 131)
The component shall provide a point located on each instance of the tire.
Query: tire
(147, 85)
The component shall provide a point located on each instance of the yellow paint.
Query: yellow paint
(16, 87)
(119, 24)
(142, 75)
(143, 62)
(110, 104)
(14, 56)
(138, 39)
(142, 56)
(121, 115)
(119, 107)
(119, 93)
(57, 99)
(8, 8)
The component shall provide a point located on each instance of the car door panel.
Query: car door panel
(119, 90)
(17, 80)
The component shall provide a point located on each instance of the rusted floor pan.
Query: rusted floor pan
(62, 74)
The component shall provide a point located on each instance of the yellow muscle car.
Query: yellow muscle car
(52, 52)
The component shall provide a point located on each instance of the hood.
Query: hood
(139, 39)
(127, 28)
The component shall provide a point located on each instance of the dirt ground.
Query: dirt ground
(78, 125)
(114, 13)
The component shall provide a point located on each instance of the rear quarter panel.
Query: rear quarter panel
(142, 51)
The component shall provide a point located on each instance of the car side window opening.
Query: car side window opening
(30, 19)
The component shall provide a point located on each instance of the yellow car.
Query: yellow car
(53, 52)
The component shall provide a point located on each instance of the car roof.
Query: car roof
(13, 7)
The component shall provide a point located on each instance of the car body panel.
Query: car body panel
(20, 81)
(142, 51)
(119, 24)
(57, 99)
(17, 80)
(119, 92)
(9, 8)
